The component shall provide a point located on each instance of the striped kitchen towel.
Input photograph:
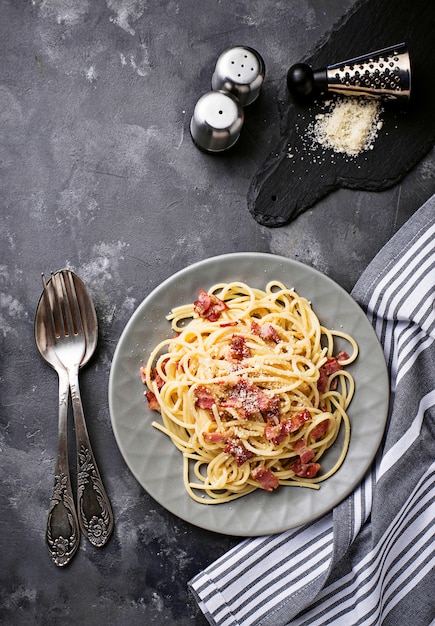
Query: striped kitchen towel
(371, 560)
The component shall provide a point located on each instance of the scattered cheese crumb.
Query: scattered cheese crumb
(91, 74)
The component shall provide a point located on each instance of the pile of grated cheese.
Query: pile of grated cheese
(349, 126)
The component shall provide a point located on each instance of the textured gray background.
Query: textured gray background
(98, 173)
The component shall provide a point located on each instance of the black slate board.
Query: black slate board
(285, 186)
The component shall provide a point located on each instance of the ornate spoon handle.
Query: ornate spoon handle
(93, 505)
(62, 532)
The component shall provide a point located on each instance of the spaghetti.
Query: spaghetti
(250, 391)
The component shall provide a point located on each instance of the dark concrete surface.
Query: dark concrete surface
(98, 173)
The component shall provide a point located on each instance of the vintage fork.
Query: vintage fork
(62, 530)
(93, 505)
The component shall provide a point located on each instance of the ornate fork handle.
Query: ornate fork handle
(93, 505)
(62, 531)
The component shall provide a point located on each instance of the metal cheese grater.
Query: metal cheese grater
(384, 74)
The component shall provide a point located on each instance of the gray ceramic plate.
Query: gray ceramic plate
(157, 464)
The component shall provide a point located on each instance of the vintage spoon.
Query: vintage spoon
(75, 340)
(62, 531)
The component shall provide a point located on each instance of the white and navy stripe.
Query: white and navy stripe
(371, 560)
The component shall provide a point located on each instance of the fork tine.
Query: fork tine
(66, 308)
(46, 296)
(67, 302)
(73, 303)
(57, 305)
(49, 317)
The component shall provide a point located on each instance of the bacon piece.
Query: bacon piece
(203, 303)
(238, 348)
(305, 470)
(247, 399)
(209, 306)
(278, 432)
(215, 437)
(204, 398)
(296, 421)
(320, 430)
(330, 367)
(342, 356)
(265, 331)
(273, 409)
(265, 477)
(236, 448)
(255, 328)
(305, 453)
(154, 375)
(322, 380)
(275, 432)
(268, 332)
(153, 403)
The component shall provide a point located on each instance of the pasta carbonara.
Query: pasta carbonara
(250, 390)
